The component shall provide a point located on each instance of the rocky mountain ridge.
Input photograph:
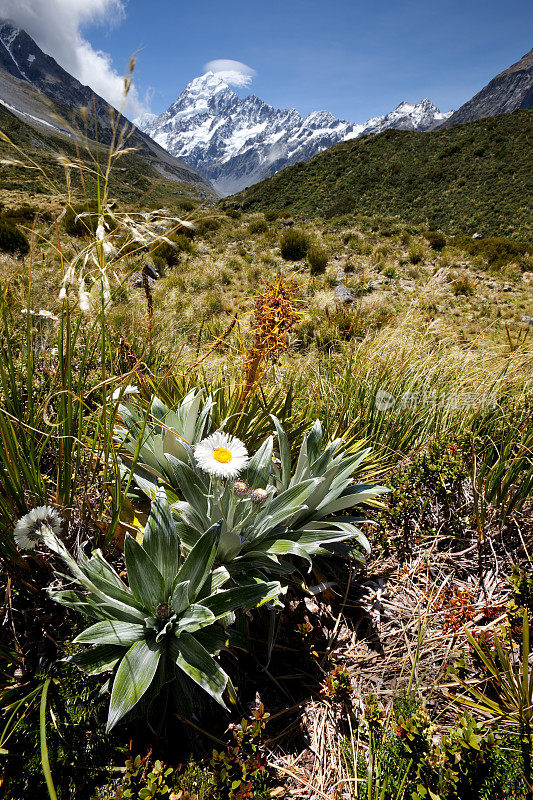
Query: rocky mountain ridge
(237, 142)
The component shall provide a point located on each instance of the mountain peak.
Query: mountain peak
(209, 83)
(236, 143)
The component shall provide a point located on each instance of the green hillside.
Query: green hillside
(139, 176)
(469, 178)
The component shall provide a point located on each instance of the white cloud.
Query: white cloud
(56, 26)
(235, 73)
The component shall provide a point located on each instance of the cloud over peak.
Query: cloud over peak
(234, 73)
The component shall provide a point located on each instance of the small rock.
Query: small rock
(344, 295)
(136, 280)
(528, 320)
(150, 270)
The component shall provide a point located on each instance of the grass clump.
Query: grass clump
(294, 244)
(436, 240)
(12, 240)
(317, 256)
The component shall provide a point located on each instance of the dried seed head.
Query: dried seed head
(241, 488)
(259, 496)
(162, 611)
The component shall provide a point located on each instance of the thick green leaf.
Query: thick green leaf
(196, 617)
(191, 486)
(199, 665)
(197, 565)
(284, 505)
(314, 441)
(187, 534)
(111, 632)
(260, 465)
(146, 582)
(180, 597)
(96, 660)
(160, 540)
(244, 597)
(283, 547)
(134, 676)
(284, 452)
(107, 580)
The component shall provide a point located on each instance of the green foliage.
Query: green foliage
(339, 685)
(317, 257)
(416, 255)
(294, 244)
(259, 225)
(495, 250)
(81, 219)
(437, 178)
(436, 240)
(145, 779)
(410, 758)
(170, 253)
(240, 771)
(299, 515)
(454, 769)
(12, 240)
(425, 495)
(163, 629)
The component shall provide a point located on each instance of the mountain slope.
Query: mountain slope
(509, 91)
(236, 143)
(42, 94)
(473, 178)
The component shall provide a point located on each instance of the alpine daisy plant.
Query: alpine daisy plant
(161, 631)
(269, 509)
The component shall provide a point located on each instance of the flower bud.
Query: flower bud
(162, 611)
(259, 496)
(241, 488)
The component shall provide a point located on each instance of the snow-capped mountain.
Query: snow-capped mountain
(236, 143)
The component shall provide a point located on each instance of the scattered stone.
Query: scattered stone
(528, 320)
(150, 270)
(344, 295)
(476, 236)
(136, 280)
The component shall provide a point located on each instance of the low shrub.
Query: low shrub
(495, 250)
(436, 240)
(317, 257)
(81, 219)
(294, 244)
(415, 255)
(170, 253)
(258, 226)
(12, 240)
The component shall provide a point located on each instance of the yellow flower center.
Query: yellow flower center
(222, 455)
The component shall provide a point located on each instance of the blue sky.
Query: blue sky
(356, 59)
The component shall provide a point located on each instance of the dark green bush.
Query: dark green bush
(206, 224)
(258, 226)
(317, 257)
(294, 244)
(170, 253)
(85, 225)
(436, 240)
(12, 240)
(495, 250)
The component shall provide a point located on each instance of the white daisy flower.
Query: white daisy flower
(221, 455)
(31, 527)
